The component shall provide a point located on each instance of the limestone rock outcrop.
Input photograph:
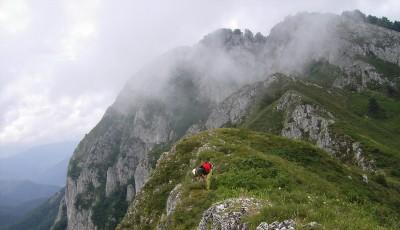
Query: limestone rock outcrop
(228, 214)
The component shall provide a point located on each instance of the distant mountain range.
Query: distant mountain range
(14, 193)
(29, 178)
(44, 164)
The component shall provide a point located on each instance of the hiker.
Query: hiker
(203, 170)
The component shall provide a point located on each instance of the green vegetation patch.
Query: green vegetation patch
(110, 210)
(323, 73)
(156, 152)
(73, 169)
(387, 69)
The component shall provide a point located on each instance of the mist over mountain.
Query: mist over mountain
(301, 124)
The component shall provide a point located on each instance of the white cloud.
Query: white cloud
(36, 118)
(77, 39)
(81, 26)
(14, 15)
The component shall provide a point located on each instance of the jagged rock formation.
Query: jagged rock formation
(360, 76)
(173, 199)
(311, 122)
(305, 121)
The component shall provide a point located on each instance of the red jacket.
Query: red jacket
(207, 166)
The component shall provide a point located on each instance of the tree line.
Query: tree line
(383, 21)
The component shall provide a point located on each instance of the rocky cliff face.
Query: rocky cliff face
(190, 92)
(112, 163)
(235, 107)
(304, 121)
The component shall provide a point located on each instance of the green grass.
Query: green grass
(323, 73)
(267, 119)
(387, 69)
(378, 136)
(297, 181)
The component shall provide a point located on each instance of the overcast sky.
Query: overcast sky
(62, 62)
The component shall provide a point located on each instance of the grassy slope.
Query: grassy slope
(298, 180)
(379, 137)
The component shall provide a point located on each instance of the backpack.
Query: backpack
(207, 166)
